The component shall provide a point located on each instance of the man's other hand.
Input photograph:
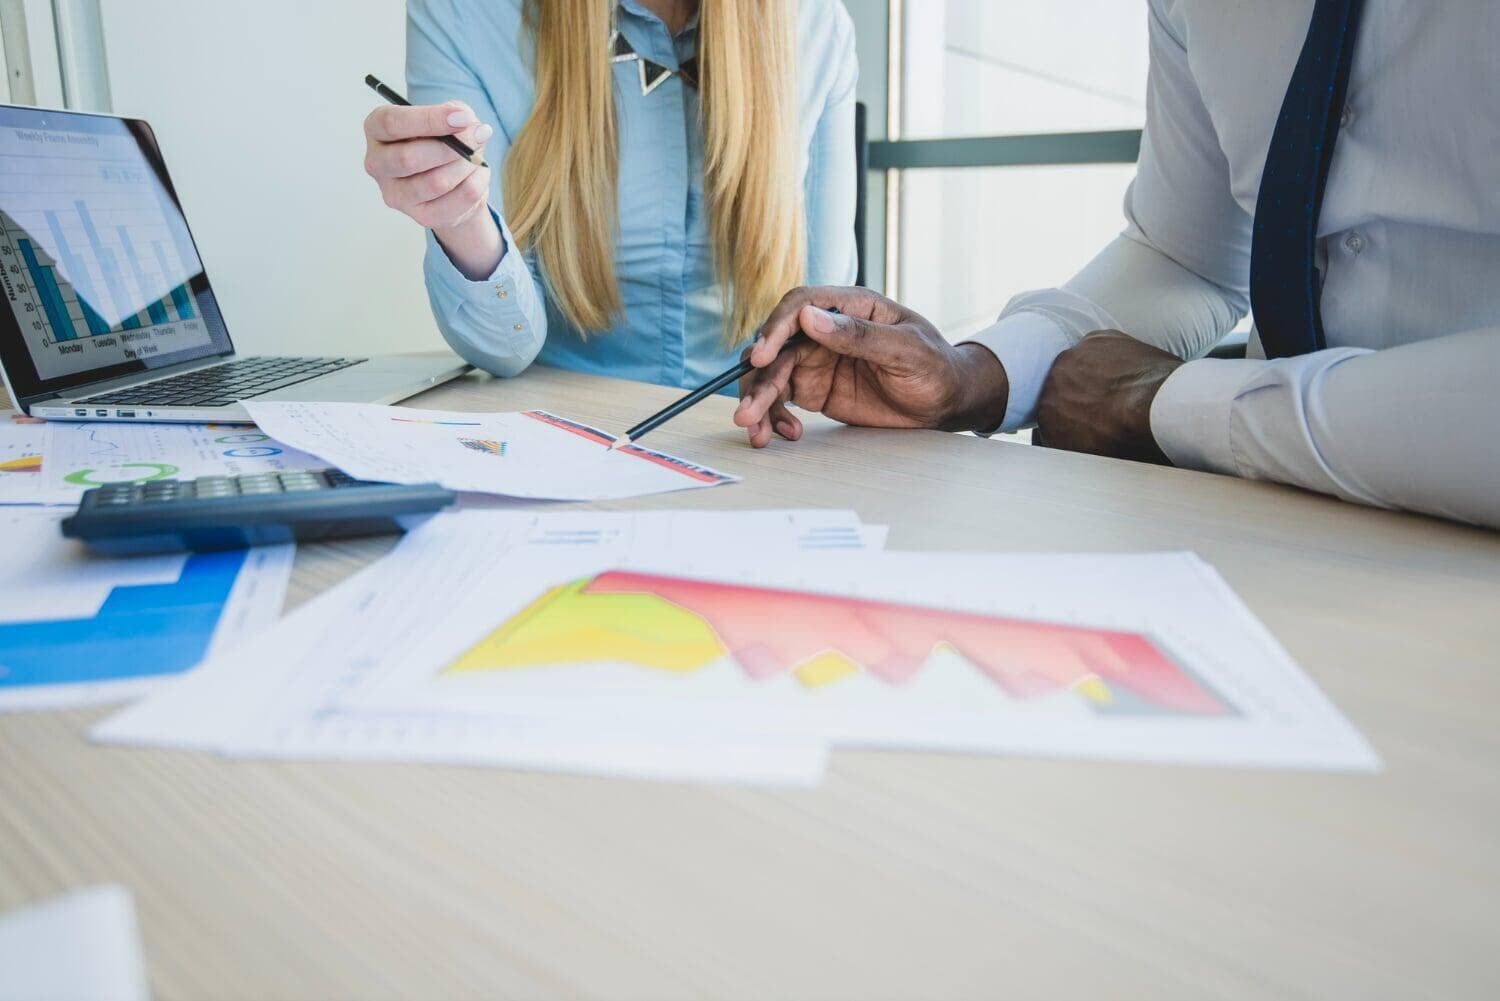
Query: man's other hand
(874, 363)
(1097, 398)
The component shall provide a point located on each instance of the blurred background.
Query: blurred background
(1001, 137)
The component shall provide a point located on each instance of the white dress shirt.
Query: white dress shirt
(1402, 409)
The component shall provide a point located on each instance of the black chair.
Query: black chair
(1233, 345)
(861, 186)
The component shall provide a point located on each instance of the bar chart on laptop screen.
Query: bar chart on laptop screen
(95, 260)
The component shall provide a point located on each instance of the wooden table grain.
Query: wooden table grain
(904, 875)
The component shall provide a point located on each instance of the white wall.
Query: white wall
(258, 107)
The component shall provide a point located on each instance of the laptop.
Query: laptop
(109, 314)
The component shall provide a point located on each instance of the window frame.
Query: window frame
(891, 156)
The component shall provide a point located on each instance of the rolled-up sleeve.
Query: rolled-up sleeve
(498, 323)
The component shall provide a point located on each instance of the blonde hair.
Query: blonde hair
(562, 173)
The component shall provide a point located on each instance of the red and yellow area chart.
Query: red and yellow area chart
(681, 625)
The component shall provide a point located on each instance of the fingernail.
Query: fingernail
(483, 133)
(784, 429)
(821, 322)
(460, 119)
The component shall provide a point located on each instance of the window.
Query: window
(970, 238)
(985, 219)
(976, 67)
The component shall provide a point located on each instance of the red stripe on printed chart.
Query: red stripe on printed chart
(677, 467)
(591, 434)
(580, 430)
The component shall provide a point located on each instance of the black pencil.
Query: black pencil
(698, 395)
(452, 142)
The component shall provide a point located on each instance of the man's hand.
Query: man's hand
(1097, 398)
(875, 363)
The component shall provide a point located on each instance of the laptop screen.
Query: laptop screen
(100, 274)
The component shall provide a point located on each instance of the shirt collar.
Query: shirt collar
(640, 10)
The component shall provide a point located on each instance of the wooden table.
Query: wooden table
(904, 875)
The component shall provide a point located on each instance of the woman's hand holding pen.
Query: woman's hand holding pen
(427, 180)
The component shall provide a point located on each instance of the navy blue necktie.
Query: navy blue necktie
(1283, 270)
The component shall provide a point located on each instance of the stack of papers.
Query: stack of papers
(691, 646)
(652, 647)
(283, 694)
(77, 629)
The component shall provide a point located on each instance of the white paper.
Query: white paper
(21, 449)
(81, 946)
(258, 597)
(1156, 660)
(532, 454)
(80, 456)
(278, 696)
(47, 578)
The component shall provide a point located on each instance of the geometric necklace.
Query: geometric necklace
(653, 75)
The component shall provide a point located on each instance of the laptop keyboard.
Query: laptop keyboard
(226, 384)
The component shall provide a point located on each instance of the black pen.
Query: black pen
(698, 395)
(452, 142)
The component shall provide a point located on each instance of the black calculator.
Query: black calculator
(232, 512)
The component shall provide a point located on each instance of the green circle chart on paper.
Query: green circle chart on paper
(157, 471)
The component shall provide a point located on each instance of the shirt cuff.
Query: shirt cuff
(1190, 417)
(507, 277)
(497, 323)
(1027, 343)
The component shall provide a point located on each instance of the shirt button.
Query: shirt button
(519, 326)
(1346, 116)
(1354, 243)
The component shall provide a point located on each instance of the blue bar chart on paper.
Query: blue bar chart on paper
(96, 262)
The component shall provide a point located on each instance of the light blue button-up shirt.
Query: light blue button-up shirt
(477, 51)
